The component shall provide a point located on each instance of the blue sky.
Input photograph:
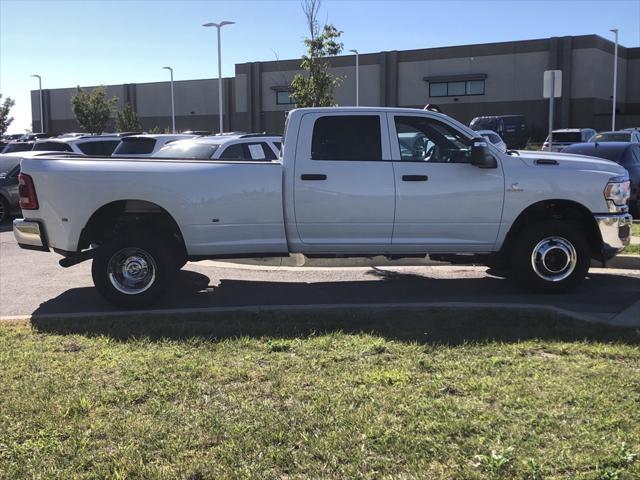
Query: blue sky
(90, 42)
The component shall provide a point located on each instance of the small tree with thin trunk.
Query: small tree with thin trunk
(127, 120)
(93, 110)
(315, 88)
(5, 109)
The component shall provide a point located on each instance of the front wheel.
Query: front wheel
(551, 256)
(133, 271)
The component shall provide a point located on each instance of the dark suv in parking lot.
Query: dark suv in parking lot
(512, 128)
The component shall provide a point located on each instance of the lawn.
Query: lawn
(633, 249)
(404, 396)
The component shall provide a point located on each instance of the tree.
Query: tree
(315, 88)
(127, 120)
(5, 119)
(93, 110)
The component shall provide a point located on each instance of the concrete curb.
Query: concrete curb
(253, 310)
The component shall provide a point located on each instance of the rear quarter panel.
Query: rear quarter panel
(220, 207)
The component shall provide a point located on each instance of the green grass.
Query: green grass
(423, 396)
(633, 249)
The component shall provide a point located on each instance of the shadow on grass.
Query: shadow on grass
(434, 325)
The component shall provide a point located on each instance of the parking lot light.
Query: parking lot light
(218, 27)
(41, 112)
(173, 108)
(357, 77)
(615, 79)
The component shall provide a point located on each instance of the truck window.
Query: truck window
(99, 147)
(347, 137)
(423, 139)
(52, 146)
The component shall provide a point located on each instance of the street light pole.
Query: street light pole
(357, 77)
(41, 111)
(173, 106)
(218, 27)
(615, 80)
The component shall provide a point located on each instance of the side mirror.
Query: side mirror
(481, 156)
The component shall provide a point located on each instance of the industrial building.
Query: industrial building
(465, 81)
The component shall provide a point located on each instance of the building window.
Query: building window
(283, 97)
(456, 89)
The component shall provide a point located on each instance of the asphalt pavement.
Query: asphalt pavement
(32, 283)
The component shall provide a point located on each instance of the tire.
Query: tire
(5, 210)
(551, 256)
(133, 271)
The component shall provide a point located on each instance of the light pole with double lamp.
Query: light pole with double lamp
(41, 112)
(615, 80)
(173, 106)
(218, 27)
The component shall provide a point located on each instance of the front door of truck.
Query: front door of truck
(344, 186)
(442, 201)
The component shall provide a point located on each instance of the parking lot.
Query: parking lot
(32, 283)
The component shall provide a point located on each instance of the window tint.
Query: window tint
(278, 145)
(566, 137)
(52, 146)
(347, 137)
(135, 146)
(248, 151)
(456, 89)
(98, 147)
(422, 139)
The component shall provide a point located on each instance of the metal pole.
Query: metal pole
(553, 88)
(615, 80)
(173, 105)
(220, 80)
(41, 110)
(357, 80)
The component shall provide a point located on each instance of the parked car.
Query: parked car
(30, 137)
(200, 133)
(12, 147)
(511, 128)
(494, 138)
(224, 147)
(9, 170)
(342, 187)
(567, 136)
(102, 145)
(145, 145)
(12, 137)
(623, 153)
(620, 136)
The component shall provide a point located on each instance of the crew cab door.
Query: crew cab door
(344, 188)
(442, 201)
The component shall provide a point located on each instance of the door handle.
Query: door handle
(415, 178)
(313, 176)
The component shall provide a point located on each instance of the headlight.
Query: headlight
(617, 192)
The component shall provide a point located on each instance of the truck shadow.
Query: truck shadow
(403, 322)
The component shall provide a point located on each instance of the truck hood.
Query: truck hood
(572, 161)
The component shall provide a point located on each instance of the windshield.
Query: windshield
(17, 147)
(193, 150)
(135, 146)
(484, 123)
(612, 137)
(566, 137)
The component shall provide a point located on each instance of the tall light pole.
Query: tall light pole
(41, 112)
(615, 79)
(357, 77)
(218, 27)
(173, 106)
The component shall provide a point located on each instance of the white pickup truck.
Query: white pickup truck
(349, 182)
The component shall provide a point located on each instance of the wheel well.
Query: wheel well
(116, 217)
(557, 210)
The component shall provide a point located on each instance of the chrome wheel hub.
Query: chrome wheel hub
(554, 259)
(131, 271)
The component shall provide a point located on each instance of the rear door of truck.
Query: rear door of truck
(344, 185)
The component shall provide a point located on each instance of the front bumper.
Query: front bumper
(30, 235)
(615, 230)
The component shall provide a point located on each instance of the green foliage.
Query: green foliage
(315, 88)
(127, 120)
(93, 110)
(155, 130)
(5, 119)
